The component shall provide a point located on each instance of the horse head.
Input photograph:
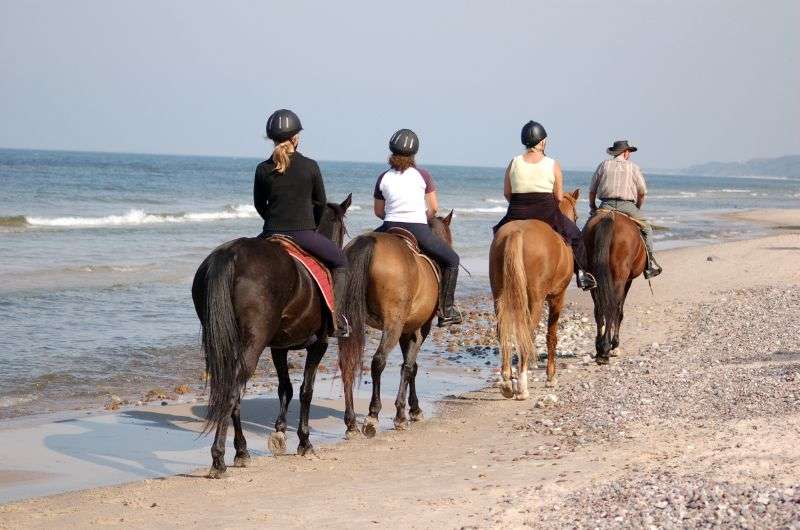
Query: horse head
(441, 227)
(568, 204)
(331, 225)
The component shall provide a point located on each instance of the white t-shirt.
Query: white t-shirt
(404, 194)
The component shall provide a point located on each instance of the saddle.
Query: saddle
(612, 213)
(413, 245)
(319, 272)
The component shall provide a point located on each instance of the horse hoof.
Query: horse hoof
(551, 383)
(507, 389)
(276, 443)
(417, 416)
(216, 473)
(615, 352)
(601, 360)
(352, 434)
(307, 451)
(522, 396)
(400, 424)
(370, 429)
(242, 460)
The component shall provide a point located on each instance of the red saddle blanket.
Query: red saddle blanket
(317, 270)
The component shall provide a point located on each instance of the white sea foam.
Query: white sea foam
(493, 209)
(496, 201)
(732, 190)
(140, 217)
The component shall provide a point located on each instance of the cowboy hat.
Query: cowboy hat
(620, 146)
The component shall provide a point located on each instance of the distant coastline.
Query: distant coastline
(782, 166)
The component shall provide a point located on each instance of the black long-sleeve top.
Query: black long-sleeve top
(294, 200)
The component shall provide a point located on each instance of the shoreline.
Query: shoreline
(652, 318)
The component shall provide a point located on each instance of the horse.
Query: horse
(529, 263)
(617, 255)
(396, 290)
(249, 293)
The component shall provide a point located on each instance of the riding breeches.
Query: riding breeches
(630, 209)
(315, 244)
(429, 243)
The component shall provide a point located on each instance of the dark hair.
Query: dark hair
(401, 162)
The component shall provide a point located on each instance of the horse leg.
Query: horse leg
(277, 440)
(313, 358)
(615, 340)
(554, 305)
(389, 340)
(242, 458)
(525, 351)
(506, 385)
(413, 401)
(410, 344)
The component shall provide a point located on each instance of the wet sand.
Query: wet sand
(694, 424)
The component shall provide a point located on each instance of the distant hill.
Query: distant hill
(784, 166)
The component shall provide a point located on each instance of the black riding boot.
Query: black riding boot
(448, 315)
(652, 269)
(584, 280)
(341, 327)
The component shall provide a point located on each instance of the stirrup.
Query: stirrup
(342, 332)
(650, 272)
(589, 282)
(454, 318)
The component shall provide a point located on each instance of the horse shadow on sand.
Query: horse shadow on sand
(147, 443)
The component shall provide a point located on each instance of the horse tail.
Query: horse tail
(221, 338)
(351, 349)
(606, 296)
(513, 314)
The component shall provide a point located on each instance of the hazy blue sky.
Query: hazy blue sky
(687, 80)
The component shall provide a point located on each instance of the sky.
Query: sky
(688, 81)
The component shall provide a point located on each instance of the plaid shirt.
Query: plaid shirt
(618, 178)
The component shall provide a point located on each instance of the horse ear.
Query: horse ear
(347, 202)
(576, 193)
(448, 219)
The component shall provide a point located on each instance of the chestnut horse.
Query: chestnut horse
(250, 294)
(617, 255)
(395, 290)
(529, 263)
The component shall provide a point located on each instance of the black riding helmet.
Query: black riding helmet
(404, 142)
(532, 133)
(282, 125)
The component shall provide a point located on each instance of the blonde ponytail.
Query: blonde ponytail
(281, 155)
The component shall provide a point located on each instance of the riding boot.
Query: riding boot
(341, 327)
(584, 280)
(652, 268)
(448, 315)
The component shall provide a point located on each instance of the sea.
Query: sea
(98, 250)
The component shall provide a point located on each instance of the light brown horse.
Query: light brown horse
(395, 290)
(529, 263)
(617, 255)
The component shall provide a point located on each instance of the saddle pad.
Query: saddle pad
(317, 270)
(411, 242)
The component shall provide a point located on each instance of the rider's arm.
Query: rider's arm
(593, 185)
(507, 182)
(558, 185)
(641, 187)
(318, 198)
(593, 200)
(640, 200)
(260, 194)
(379, 207)
(432, 204)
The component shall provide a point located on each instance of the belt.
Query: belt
(606, 199)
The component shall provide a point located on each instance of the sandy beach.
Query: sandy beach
(694, 424)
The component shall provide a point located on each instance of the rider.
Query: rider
(534, 188)
(290, 196)
(405, 197)
(620, 185)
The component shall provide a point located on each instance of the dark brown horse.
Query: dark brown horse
(250, 294)
(529, 264)
(617, 255)
(395, 290)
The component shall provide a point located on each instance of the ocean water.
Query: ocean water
(97, 253)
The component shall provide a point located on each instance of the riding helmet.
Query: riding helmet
(532, 133)
(404, 142)
(282, 125)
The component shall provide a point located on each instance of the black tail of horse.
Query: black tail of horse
(221, 339)
(359, 254)
(606, 303)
